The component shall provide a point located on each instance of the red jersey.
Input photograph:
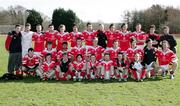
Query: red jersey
(30, 61)
(111, 36)
(38, 39)
(51, 37)
(98, 50)
(140, 36)
(107, 65)
(124, 40)
(165, 58)
(113, 52)
(78, 66)
(88, 37)
(61, 37)
(131, 52)
(75, 51)
(73, 36)
(52, 52)
(48, 66)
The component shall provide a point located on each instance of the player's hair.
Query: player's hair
(88, 24)
(64, 43)
(115, 41)
(148, 40)
(38, 25)
(123, 25)
(50, 25)
(120, 53)
(48, 54)
(17, 25)
(79, 55)
(49, 43)
(30, 49)
(27, 24)
(74, 25)
(93, 55)
(152, 26)
(111, 25)
(65, 53)
(62, 25)
(138, 24)
(132, 40)
(106, 54)
(78, 38)
(166, 27)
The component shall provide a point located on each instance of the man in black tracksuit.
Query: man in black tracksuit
(170, 38)
(14, 48)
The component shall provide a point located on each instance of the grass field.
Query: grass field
(32, 92)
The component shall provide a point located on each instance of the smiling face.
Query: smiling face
(51, 28)
(18, 29)
(89, 27)
(39, 28)
(138, 27)
(93, 58)
(75, 29)
(125, 27)
(137, 57)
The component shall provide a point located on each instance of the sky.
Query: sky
(108, 11)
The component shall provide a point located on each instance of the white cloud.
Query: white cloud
(90, 10)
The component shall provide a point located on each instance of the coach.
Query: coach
(170, 38)
(14, 47)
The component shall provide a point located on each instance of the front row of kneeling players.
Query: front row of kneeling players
(65, 66)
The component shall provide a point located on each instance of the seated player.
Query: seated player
(133, 50)
(113, 51)
(150, 59)
(78, 68)
(47, 68)
(137, 68)
(93, 68)
(107, 68)
(63, 67)
(50, 50)
(167, 60)
(96, 49)
(30, 62)
(121, 67)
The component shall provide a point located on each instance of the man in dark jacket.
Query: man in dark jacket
(170, 38)
(14, 47)
(102, 38)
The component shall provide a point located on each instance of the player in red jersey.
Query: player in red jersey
(107, 68)
(78, 68)
(133, 50)
(74, 35)
(93, 68)
(62, 36)
(47, 69)
(30, 62)
(50, 36)
(50, 50)
(89, 35)
(137, 68)
(153, 36)
(79, 49)
(124, 37)
(167, 59)
(113, 51)
(96, 49)
(140, 36)
(111, 35)
(39, 39)
(121, 67)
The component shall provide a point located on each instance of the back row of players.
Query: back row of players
(97, 54)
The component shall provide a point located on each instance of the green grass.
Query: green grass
(31, 91)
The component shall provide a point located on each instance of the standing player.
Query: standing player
(89, 35)
(140, 36)
(124, 37)
(26, 39)
(137, 68)
(96, 49)
(74, 35)
(102, 38)
(50, 35)
(107, 68)
(38, 38)
(62, 36)
(167, 60)
(113, 51)
(30, 62)
(111, 35)
(153, 36)
(133, 50)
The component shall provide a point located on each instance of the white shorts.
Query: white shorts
(107, 75)
(149, 67)
(164, 67)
